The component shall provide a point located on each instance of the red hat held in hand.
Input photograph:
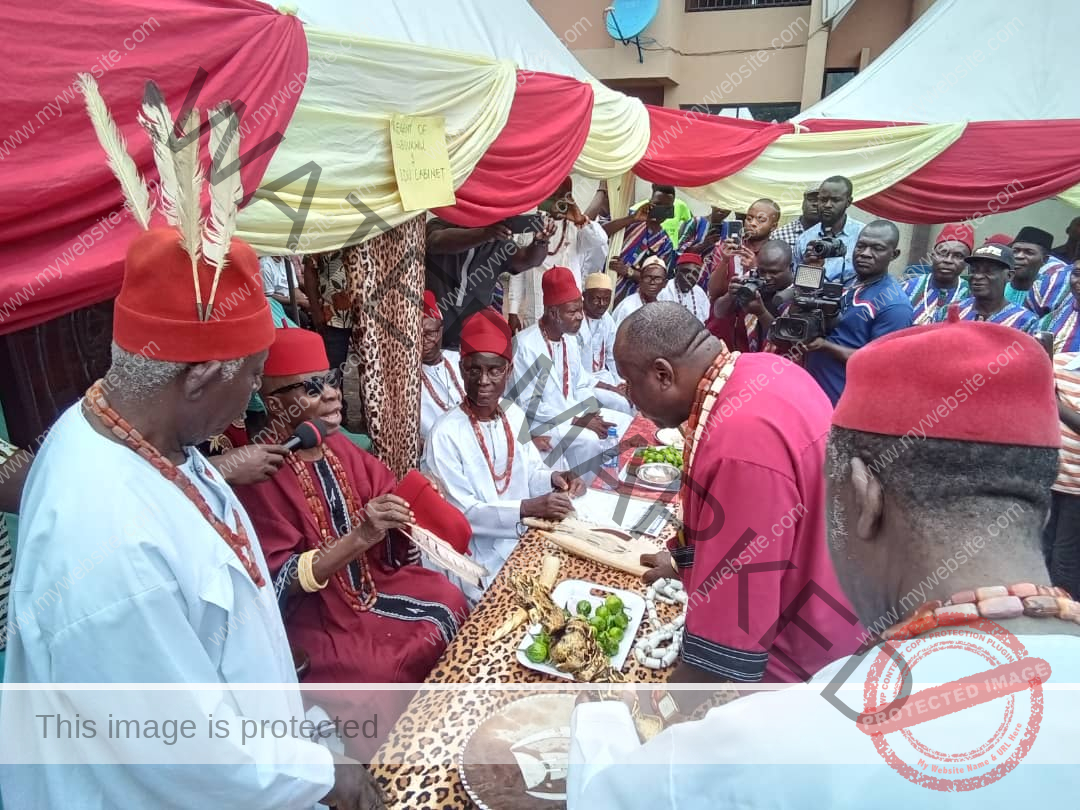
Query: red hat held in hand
(433, 512)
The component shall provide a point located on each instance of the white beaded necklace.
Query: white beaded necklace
(649, 650)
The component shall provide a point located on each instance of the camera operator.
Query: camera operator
(834, 199)
(746, 311)
(873, 306)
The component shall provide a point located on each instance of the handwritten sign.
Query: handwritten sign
(421, 162)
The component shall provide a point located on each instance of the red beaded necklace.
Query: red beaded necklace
(237, 540)
(360, 600)
(565, 360)
(443, 406)
(501, 481)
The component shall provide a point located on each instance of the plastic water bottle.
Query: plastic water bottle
(611, 459)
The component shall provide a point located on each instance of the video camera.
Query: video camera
(829, 247)
(817, 302)
(752, 285)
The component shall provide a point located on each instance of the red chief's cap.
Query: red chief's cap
(560, 287)
(487, 331)
(296, 351)
(961, 380)
(962, 233)
(155, 314)
(431, 306)
(689, 258)
(999, 239)
(433, 512)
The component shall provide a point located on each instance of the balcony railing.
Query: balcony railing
(725, 5)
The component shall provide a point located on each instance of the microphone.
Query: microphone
(307, 435)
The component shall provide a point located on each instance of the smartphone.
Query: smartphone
(662, 212)
(735, 230)
(524, 223)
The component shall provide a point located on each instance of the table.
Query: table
(640, 433)
(417, 765)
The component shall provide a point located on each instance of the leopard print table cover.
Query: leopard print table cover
(419, 761)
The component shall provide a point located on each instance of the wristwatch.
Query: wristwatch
(666, 706)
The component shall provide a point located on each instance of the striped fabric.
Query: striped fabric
(7, 561)
(927, 298)
(1050, 289)
(1009, 315)
(1068, 386)
(1064, 322)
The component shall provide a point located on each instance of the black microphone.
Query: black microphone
(307, 435)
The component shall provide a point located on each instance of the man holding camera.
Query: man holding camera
(873, 306)
(746, 311)
(831, 242)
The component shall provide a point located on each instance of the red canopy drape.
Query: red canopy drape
(544, 134)
(56, 191)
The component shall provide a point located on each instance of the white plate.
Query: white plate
(671, 437)
(631, 480)
(566, 595)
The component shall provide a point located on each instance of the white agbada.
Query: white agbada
(539, 369)
(581, 249)
(445, 380)
(155, 596)
(696, 300)
(454, 455)
(627, 307)
(792, 749)
(596, 342)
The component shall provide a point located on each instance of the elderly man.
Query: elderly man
(551, 384)
(644, 239)
(742, 322)
(834, 199)
(969, 500)
(482, 454)
(596, 339)
(578, 243)
(684, 289)
(752, 491)
(442, 389)
(988, 269)
(1039, 277)
(653, 278)
(873, 306)
(176, 589)
(942, 286)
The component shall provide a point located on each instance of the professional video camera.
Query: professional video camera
(816, 303)
(829, 247)
(751, 286)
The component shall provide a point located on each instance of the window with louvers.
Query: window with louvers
(722, 5)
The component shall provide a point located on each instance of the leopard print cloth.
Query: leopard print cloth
(418, 765)
(386, 281)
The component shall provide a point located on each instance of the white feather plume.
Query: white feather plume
(156, 119)
(111, 139)
(226, 193)
(189, 183)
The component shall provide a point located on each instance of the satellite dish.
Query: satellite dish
(626, 19)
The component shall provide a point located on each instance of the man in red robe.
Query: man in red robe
(359, 606)
(764, 600)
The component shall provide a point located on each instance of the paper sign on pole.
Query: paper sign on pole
(421, 162)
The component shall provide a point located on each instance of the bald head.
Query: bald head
(887, 230)
(875, 249)
(662, 351)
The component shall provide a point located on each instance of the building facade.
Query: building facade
(766, 59)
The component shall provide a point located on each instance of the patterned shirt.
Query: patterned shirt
(790, 233)
(1050, 289)
(7, 561)
(1015, 296)
(927, 298)
(334, 291)
(1008, 315)
(639, 243)
(1064, 322)
(1067, 378)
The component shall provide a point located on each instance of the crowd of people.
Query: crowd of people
(781, 347)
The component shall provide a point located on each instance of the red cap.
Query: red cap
(999, 382)
(296, 351)
(431, 306)
(487, 331)
(433, 512)
(689, 258)
(155, 315)
(999, 239)
(560, 287)
(961, 232)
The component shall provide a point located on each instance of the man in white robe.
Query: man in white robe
(483, 454)
(441, 389)
(684, 289)
(596, 340)
(551, 385)
(124, 577)
(578, 243)
(652, 278)
(953, 515)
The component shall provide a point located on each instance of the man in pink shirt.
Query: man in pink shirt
(764, 600)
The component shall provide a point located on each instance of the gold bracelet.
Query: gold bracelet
(306, 573)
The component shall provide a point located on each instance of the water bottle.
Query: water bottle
(610, 473)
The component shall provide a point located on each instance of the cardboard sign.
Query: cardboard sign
(421, 162)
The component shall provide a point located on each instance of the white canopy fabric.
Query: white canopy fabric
(500, 29)
(970, 60)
